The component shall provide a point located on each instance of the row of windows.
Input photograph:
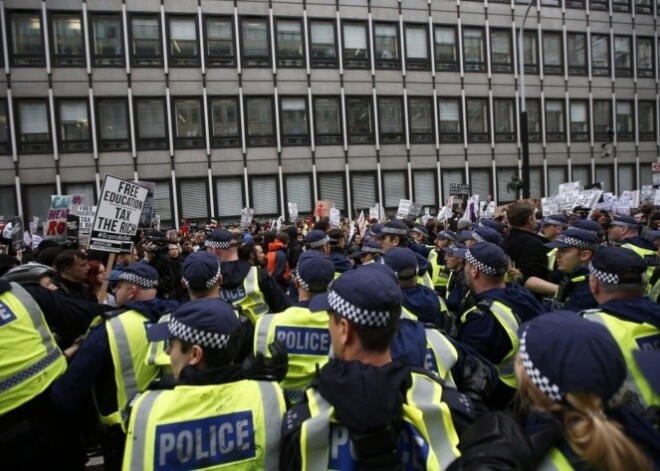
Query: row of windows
(266, 194)
(457, 120)
(586, 54)
(644, 7)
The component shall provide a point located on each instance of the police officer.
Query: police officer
(369, 253)
(457, 289)
(244, 285)
(31, 436)
(214, 416)
(304, 334)
(111, 360)
(618, 281)
(575, 249)
(624, 231)
(418, 236)
(365, 411)
(480, 234)
(319, 240)
(490, 327)
(552, 226)
(436, 258)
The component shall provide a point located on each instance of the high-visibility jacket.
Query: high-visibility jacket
(307, 340)
(157, 354)
(631, 336)
(439, 277)
(510, 323)
(221, 426)
(127, 336)
(646, 254)
(29, 357)
(555, 460)
(248, 296)
(428, 438)
(552, 258)
(425, 280)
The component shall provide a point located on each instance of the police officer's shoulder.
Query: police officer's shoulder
(294, 418)
(587, 312)
(457, 402)
(107, 315)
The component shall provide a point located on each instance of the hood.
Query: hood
(634, 309)
(233, 273)
(276, 245)
(640, 242)
(155, 308)
(422, 302)
(364, 396)
(520, 300)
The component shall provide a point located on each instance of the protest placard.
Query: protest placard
(246, 218)
(459, 189)
(568, 193)
(85, 215)
(60, 207)
(293, 211)
(335, 220)
(322, 208)
(404, 209)
(117, 215)
(17, 234)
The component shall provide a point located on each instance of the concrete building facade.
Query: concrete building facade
(226, 104)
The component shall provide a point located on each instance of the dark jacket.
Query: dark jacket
(340, 260)
(424, 303)
(527, 252)
(73, 289)
(576, 295)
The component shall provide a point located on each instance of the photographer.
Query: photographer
(156, 254)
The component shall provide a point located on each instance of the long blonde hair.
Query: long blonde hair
(594, 437)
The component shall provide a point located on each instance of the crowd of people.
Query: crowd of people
(517, 342)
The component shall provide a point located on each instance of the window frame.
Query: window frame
(602, 136)
(225, 141)
(390, 137)
(328, 139)
(111, 145)
(452, 66)
(475, 66)
(646, 135)
(451, 137)
(291, 140)
(301, 60)
(577, 70)
(555, 136)
(647, 72)
(72, 146)
(216, 61)
(152, 143)
(580, 136)
(182, 60)
(478, 137)
(6, 147)
(621, 6)
(61, 60)
(553, 69)
(534, 136)
(509, 136)
(421, 137)
(41, 147)
(387, 63)
(621, 71)
(267, 140)
(357, 138)
(575, 4)
(498, 66)
(17, 59)
(188, 142)
(531, 35)
(255, 61)
(600, 71)
(625, 136)
(599, 5)
(643, 9)
(413, 64)
(322, 63)
(143, 60)
(362, 63)
(97, 59)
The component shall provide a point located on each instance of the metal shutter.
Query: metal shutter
(582, 174)
(194, 199)
(394, 188)
(504, 176)
(229, 192)
(536, 182)
(86, 189)
(424, 186)
(331, 188)
(448, 177)
(298, 190)
(480, 183)
(626, 178)
(604, 175)
(7, 202)
(364, 191)
(38, 202)
(163, 201)
(556, 176)
(264, 195)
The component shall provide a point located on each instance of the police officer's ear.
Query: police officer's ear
(593, 285)
(196, 355)
(585, 255)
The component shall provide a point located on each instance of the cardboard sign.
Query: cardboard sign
(17, 234)
(404, 209)
(85, 215)
(293, 211)
(60, 207)
(550, 206)
(414, 210)
(362, 223)
(568, 193)
(117, 215)
(335, 220)
(459, 189)
(373, 213)
(322, 208)
(246, 218)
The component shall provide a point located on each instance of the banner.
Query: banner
(117, 215)
(60, 207)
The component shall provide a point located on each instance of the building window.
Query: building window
(112, 117)
(579, 121)
(625, 126)
(446, 48)
(225, 124)
(531, 52)
(477, 120)
(643, 7)
(394, 188)
(577, 54)
(646, 120)
(67, 41)
(605, 175)
(73, 120)
(145, 41)
(500, 50)
(260, 127)
(229, 194)
(417, 47)
(474, 57)
(184, 47)
(220, 50)
(264, 195)
(579, 4)
(295, 130)
(5, 146)
(424, 187)
(600, 55)
(151, 127)
(332, 188)
(551, 3)
(644, 56)
(504, 176)
(581, 173)
(556, 176)
(289, 43)
(390, 119)
(623, 56)
(163, 201)
(359, 119)
(421, 120)
(356, 53)
(621, 6)
(34, 131)
(554, 121)
(8, 200)
(254, 42)
(602, 116)
(505, 120)
(533, 108)
(27, 44)
(449, 111)
(386, 49)
(327, 120)
(323, 44)
(194, 198)
(189, 131)
(552, 54)
(299, 191)
(363, 190)
(599, 5)
(107, 37)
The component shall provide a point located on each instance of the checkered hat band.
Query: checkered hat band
(477, 237)
(488, 270)
(318, 243)
(371, 250)
(554, 222)
(138, 280)
(580, 244)
(447, 235)
(602, 276)
(302, 282)
(546, 386)
(394, 231)
(418, 230)
(624, 224)
(357, 314)
(197, 337)
(210, 282)
(218, 245)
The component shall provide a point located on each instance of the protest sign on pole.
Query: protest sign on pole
(568, 193)
(72, 229)
(117, 215)
(85, 222)
(322, 208)
(246, 218)
(293, 211)
(414, 210)
(373, 213)
(362, 223)
(60, 207)
(404, 209)
(334, 217)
